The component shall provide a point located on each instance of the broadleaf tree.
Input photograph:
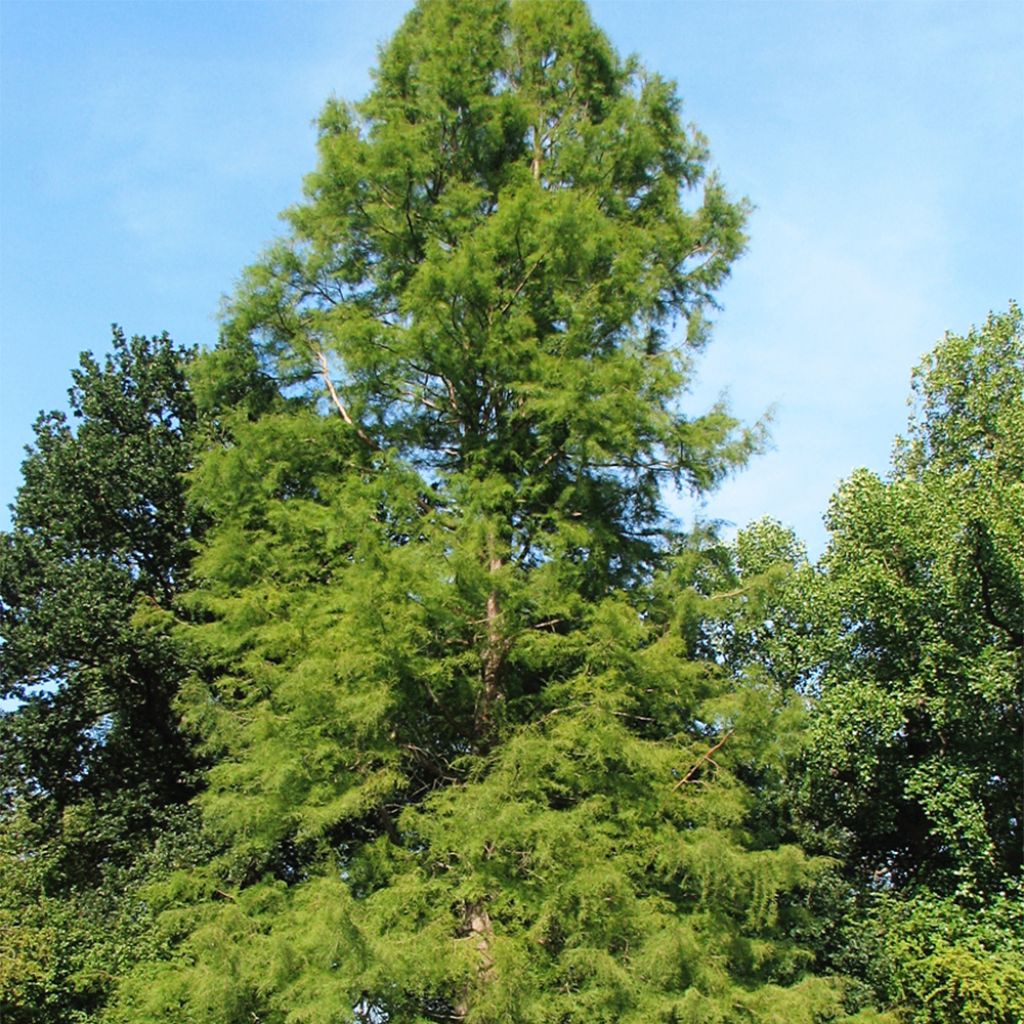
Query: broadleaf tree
(93, 764)
(919, 646)
(101, 529)
(468, 762)
(911, 638)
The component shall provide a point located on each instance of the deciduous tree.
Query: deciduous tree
(92, 762)
(911, 641)
(101, 532)
(469, 763)
(920, 646)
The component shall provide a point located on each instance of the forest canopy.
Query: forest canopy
(356, 670)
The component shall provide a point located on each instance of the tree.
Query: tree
(913, 642)
(468, 764)
(92, 761)
(100, 526)
(917, 750)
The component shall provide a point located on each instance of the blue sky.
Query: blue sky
(147, 148)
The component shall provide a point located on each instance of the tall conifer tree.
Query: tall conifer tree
(468, 765)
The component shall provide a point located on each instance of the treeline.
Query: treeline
(354, 670)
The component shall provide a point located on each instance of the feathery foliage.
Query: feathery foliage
(469, 761)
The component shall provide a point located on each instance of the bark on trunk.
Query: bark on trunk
(478, 928)
(493, 659)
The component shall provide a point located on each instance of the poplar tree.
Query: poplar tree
(468, 764)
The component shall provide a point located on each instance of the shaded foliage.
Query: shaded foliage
(100, 544)
(92, 760)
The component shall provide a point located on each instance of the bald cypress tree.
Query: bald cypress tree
(469, 763)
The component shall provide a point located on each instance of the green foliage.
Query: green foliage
(66, 943)
(92, 761)
(485, 737)
(918, 646)
(950, 961)
(906, 644)
(99, 546)
(490, 253)
(470, 759)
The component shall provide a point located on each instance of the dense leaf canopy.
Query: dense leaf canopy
(920, 630)
(101, 529)
(93, 764)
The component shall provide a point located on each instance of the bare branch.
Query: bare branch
(451, 395)
(633, 718)
(413, 396)
(547, 624)
(325, 372)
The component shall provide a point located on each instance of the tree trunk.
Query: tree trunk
(477, 926)
(493, 658)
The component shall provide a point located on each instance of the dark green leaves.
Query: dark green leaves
(919, 627)
(101, 530)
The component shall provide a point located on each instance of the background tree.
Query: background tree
(916, 653)
(917, 749)
(92, 762)
(903, 650)
(100, 526)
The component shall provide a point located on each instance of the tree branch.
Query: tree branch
(507, 305)
(325, 372)
(704, 759)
